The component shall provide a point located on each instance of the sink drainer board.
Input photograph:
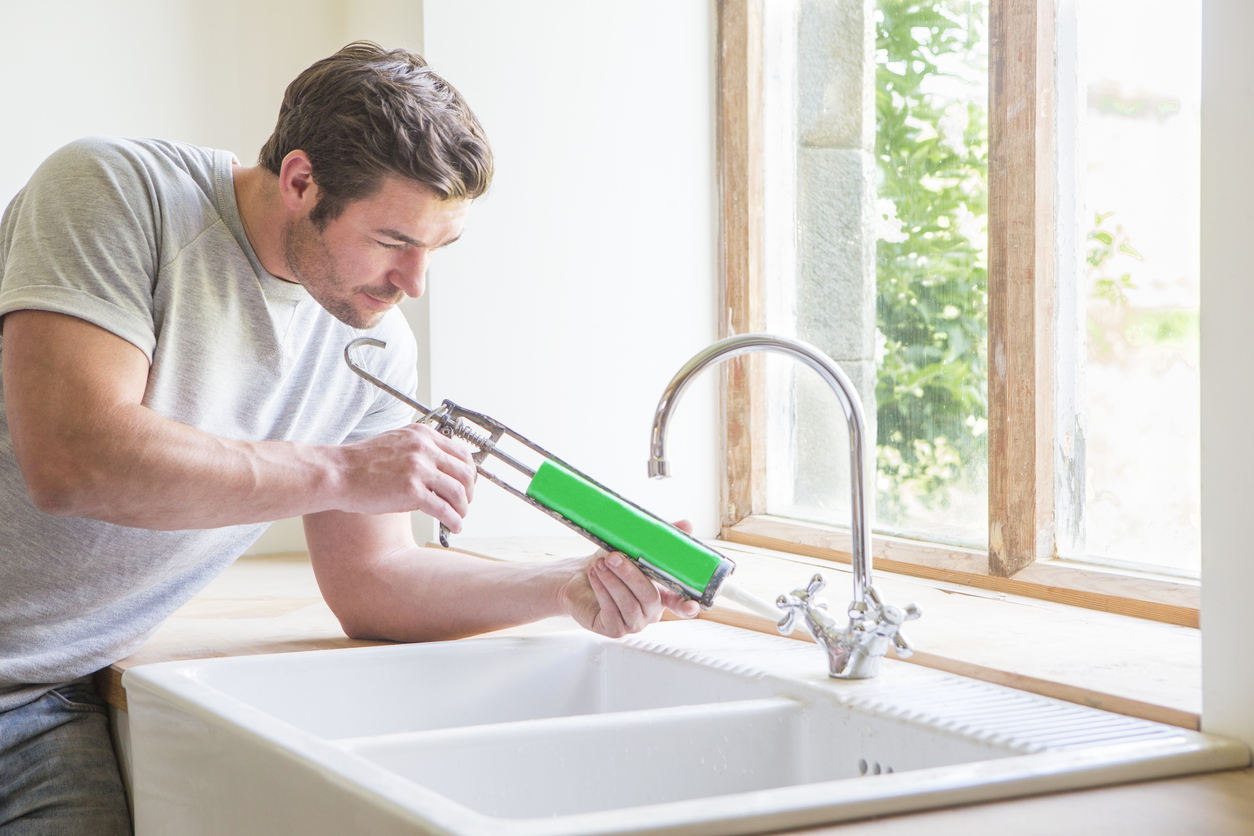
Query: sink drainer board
(689, 728)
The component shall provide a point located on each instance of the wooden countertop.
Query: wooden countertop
(261, 604)
(271, 604)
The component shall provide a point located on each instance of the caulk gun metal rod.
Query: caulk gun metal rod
(405, 399)
(511, 461)
(369, 378)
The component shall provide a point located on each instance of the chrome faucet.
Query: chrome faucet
(854, 651)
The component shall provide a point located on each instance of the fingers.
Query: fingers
(442, 484)
(453, 481)
(624, 612)
(453, 446)
(629, 600)
(459, 460)
(608, 621)
(411, 468)
(678, 604)
(433, 503)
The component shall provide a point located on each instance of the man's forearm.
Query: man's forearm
(419, 594)
(87, 446)
(382, 586)
(146, 471)
(142, 470)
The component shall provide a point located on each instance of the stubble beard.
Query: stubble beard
(313, 266)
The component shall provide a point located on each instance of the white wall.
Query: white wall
(210, 72)
(587, 276)
(1227, 396)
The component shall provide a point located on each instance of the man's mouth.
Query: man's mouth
(380, 304)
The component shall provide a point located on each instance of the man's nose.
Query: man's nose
(410, 273)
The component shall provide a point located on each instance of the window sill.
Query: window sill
(1108, 660)
(1138, 594)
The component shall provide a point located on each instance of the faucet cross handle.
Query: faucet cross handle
(888, 621)
(791, 605)
(796, 606)
(803, 603)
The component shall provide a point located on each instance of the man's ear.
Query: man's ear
(297, 188)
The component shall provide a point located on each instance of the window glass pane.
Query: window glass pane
(876, 252)
(1138, 86)
(932, 306)
(875, 238)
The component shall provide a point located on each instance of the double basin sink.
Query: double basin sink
(688, 728)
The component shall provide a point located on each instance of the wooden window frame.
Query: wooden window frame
(1022, 555)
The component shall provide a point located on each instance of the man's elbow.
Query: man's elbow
(348, 608)
(360, 626)
(364, 622)
(60, 490)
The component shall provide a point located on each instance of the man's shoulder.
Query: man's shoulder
(155, 163)
(167, 192)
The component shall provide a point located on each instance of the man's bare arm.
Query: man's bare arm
(381, 585)
(87, 446)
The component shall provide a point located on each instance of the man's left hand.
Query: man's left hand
(611, 596)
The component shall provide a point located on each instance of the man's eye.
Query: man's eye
(387, 246)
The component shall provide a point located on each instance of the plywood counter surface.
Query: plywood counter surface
(271, 604)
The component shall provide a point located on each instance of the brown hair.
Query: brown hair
(366, 112)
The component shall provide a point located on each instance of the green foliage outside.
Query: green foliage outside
(932, 311)
(1118, 329)
(1179, 329)
(1103, 246)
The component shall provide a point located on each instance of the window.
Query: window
(966, 218)
(1129, 183)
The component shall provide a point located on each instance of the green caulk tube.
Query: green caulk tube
(662, 551)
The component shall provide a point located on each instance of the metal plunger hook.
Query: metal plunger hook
(368, 377)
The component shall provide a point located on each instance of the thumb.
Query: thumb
(678, 604)
(683, 525)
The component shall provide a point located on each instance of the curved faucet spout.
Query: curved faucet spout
(839, 382)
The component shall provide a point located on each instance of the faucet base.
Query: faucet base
(856, 651)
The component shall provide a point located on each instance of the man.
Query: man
(172, 330)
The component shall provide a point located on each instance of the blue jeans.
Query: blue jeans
(58, 771)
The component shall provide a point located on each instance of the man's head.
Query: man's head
(365, 113)
(378, 160)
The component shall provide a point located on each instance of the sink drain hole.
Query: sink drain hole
(872, 768)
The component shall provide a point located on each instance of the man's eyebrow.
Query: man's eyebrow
(414, 242)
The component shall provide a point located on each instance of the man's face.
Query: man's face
(376, 252)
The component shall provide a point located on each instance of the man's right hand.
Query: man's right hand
(412, 468)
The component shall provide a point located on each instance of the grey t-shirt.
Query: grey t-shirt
(144, 238)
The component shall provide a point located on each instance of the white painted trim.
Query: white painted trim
(1227, 398)
(1069, 315)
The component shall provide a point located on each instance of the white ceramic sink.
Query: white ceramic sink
(690, 728)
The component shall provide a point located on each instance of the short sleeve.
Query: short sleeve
(82, 239)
